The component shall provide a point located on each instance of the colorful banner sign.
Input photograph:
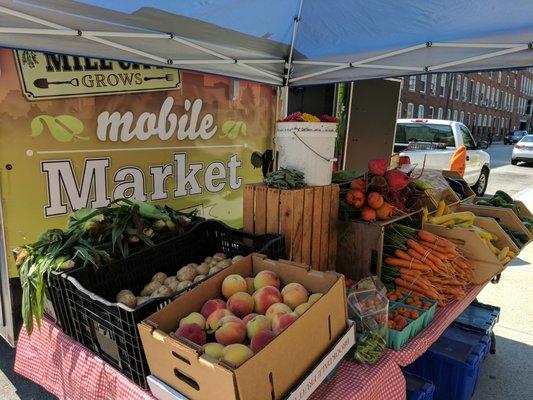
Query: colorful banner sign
(54, 76)
(190, 148)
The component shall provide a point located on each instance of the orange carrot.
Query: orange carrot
(402, 254)
(423, 258)
(427, 292)
(398, 262)
(434, 239)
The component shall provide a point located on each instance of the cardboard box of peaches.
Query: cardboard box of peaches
(252, 331)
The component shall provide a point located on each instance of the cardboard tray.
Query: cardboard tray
(270, 373)
(470, 194)
(302, 391)
(473, 248)
(503, 215)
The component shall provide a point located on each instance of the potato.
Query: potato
(169, 280)
(199, 278)
(236, 258)
(194, 265)
(128, 299)
(151, 288)
(122, 293)
(142, 299)
(186, 273)
(203, 268)
(159, 277)
(223, 263)
(208, 259)
(163, 291)
(175, 285)
(219, 256)
(214, 270)
(183, 285)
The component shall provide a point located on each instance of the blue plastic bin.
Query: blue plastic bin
(453, 363)
(479, 317)
(418, 388)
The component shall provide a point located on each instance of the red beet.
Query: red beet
(397, 180)
(378, 166)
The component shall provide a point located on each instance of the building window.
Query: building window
(399, 110)
(476, 96)
(462, 117)
(482, 95)
(442, 86)
(500, 77)
(412, 83)
(455, 115)
(440, 113)
(433, 88)
(420, 111)
(490, 74)
(493, 98)
(508, 80)
(479, 120)
(484, 120)
(448, 114)
(457, 87)
(467, 122)
(423, 80)
(471, 94)
(465, 88)
(514, 85)
(487, 96)
(505, 102)
(410, 110)
(451, 84)
(431, 112)
(474, 120)
(511, 106)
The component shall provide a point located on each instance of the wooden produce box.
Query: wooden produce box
(360, 246)
(441, 190)
(270, 373)
(474, 249)
(521, 206)
(307, 218)
(502, 215)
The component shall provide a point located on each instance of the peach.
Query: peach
(212, 305)
(214, 319)
(213, 349)
(277, 308)
(241, 304)
(230, 330)
(250, 285)
(314, 297)
(193, 318)
(257, 324)
(261, 340)
(248, 318)
(266, 278)
(294, 294)
(192, 332)
(265, 297)
(302, 308)
(236, 354)
(280, 322)
(232, 284)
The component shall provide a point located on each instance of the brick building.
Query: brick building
(487, 102)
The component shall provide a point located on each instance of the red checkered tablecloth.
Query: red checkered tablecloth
(72, 372)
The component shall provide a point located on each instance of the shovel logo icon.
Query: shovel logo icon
(63, 128)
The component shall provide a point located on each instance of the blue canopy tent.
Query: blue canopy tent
(281, 42)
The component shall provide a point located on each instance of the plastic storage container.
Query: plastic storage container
(308, 147)
(479, 317)
(453, 363)
(57, 308)
(110, 329)
(418, 388)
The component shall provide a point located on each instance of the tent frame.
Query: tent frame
(286, 78)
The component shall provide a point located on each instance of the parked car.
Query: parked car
(514, 137)
(437, 140)
(523, 150)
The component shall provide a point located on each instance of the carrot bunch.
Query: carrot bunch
(426, 265)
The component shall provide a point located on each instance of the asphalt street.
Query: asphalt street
(505, 375)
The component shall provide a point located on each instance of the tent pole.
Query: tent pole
(293, 40)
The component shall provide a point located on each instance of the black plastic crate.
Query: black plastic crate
(58, 309)
(110, 329)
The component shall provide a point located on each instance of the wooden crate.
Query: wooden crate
(307, 218)
(360, 246)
